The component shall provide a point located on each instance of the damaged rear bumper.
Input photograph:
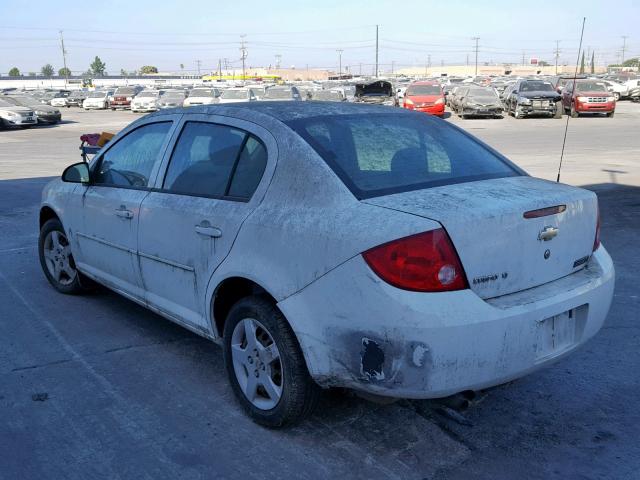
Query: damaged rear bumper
(358, 332)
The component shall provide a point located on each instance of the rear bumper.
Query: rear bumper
(359, 332)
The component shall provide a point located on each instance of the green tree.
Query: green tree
(146, 69)
(14, 72)
(98, 67)
(47, 70)
(64, 72)
(32, 74)
(582, 64)
(632, 62)
(542, 63)
(593, 62)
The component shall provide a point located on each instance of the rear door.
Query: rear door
(121, 178)
(212, 179)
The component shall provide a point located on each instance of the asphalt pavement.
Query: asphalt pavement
(96, 386)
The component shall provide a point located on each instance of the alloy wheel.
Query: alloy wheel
(257, 363)
(57, 256)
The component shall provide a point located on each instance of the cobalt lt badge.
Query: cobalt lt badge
(547, 254)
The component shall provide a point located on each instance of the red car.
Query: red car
(425, 97)
(590, 96)
(122, 97)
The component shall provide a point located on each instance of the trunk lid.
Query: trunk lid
(500, 250)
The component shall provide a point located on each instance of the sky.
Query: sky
(308, 34)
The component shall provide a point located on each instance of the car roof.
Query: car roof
(285, 110)
(426, 82)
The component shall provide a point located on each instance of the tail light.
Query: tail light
(408, 103)
(596, 241)
(426, 262)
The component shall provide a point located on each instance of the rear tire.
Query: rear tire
(57, 260)
(262, 358)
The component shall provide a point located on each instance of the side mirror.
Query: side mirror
(76, 173)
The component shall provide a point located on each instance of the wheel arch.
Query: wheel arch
(46, 214)
(227, 293)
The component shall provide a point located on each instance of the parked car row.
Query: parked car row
(25, 111)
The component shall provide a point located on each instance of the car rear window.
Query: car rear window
(382, 154)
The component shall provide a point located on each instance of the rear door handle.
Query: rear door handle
(124, 213)
(207, 230)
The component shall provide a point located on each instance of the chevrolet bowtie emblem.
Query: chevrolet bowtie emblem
(547, 234)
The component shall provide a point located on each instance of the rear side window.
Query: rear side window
(130, 161)
(381, 154)
(217, 161)
(251, 165)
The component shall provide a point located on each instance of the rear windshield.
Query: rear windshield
(424, 90)
(381, 154)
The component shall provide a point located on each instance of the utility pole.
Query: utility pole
(523, 55)
(557, 54)
(376, 51)
(198, 62)
(428, 64)
(393, 64)
(467, 59)
(339, 50)
(624, 46)
(64, 60)
(220, 68)
(476, 49)
(360, 73)
(278, 61)
(243, 56)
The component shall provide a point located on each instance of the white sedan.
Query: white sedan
(201, 96)
(327, 245)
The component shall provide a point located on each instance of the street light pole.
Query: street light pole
(339, 62)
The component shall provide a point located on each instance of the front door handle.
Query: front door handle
(207, 230)
(124, 213)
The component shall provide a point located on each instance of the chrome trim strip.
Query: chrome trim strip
(106, 242)
(168, 262)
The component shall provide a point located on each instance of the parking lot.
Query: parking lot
(98, 387)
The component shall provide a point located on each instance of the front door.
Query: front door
(120, 179)
(189, 223)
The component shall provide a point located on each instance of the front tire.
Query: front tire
(559, 110)
(574, 113)
(265, 365)
(57, 260)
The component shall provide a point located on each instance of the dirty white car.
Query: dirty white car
(333, 245)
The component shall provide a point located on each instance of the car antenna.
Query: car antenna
(575, 74)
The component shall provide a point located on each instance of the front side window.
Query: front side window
(382, 154)
(130, 161)
(215, 161)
